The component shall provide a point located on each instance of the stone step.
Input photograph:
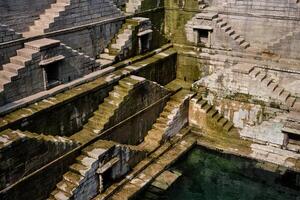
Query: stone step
(26, 53)
(60, 195)
(10, 67)
(222, 24)
(255, 72)
(107, 56)
(228, 126)
(6, 75)
(113, 101)
(230, 32)
(162, 120)
(218, 117)
(121, 89)
(245, 45)
(19, 60)
(261, 76)
(66, 187)
(202, 103)
(222, 121)
(104, 62)
(235, 36)
(291, 101)
(160, 127)
(240, 40)
(284, 96)
(118, 94)
(207, 108)
(213, 112)
(278, 90)
(267, 81)
(42, 44)
(226, 28)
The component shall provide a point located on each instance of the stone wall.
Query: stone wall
(19, 14)
(77, 108)
(7, 34)
(138, 99)
(103, 163)
(30, 76)
(40, 150)
(83, 12)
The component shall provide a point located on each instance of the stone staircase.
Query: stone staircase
(29, 150)
(89, 175)
(84, 167)
(285, 40)
(133, 6)
(224, 26)
(17, 63)
(101, 117)
(276, 90)
(28, 55)
(163, 128)
(48, 17)
(121, 45)
(9, 137)
(213, 114)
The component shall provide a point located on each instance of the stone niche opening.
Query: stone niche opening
(145, 38)
(202, 36)
(51, 71)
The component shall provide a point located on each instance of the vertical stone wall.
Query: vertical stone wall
(19, 14)
(40, 149)
(77, 109)
(7, 34)
(137, 100)
(30, 76)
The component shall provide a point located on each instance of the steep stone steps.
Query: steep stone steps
(225, 27)
(10, 137)
(27, 55)
(97, 123)
(120, 45)
(162, 128)
(212, 113)
(276, 90)
(285, 41)
(86, 165)
(17, 63)
(47, 18)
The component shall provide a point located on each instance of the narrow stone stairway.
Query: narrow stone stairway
(29, 55)
(285, 40)
(276, 90)
(120, 46)
(214, 114)
(224, 26)
(84, 167)
(48, 17)
(163, 128)
(10, 137)
(101, 117)
(17, 63)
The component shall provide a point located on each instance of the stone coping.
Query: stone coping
(45, 100)
(247, 57)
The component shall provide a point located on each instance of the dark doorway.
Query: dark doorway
(202, 36)
(145, 43)
(52, 75)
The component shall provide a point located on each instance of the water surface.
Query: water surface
(209, 175)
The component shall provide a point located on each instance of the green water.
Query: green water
(212, 176)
